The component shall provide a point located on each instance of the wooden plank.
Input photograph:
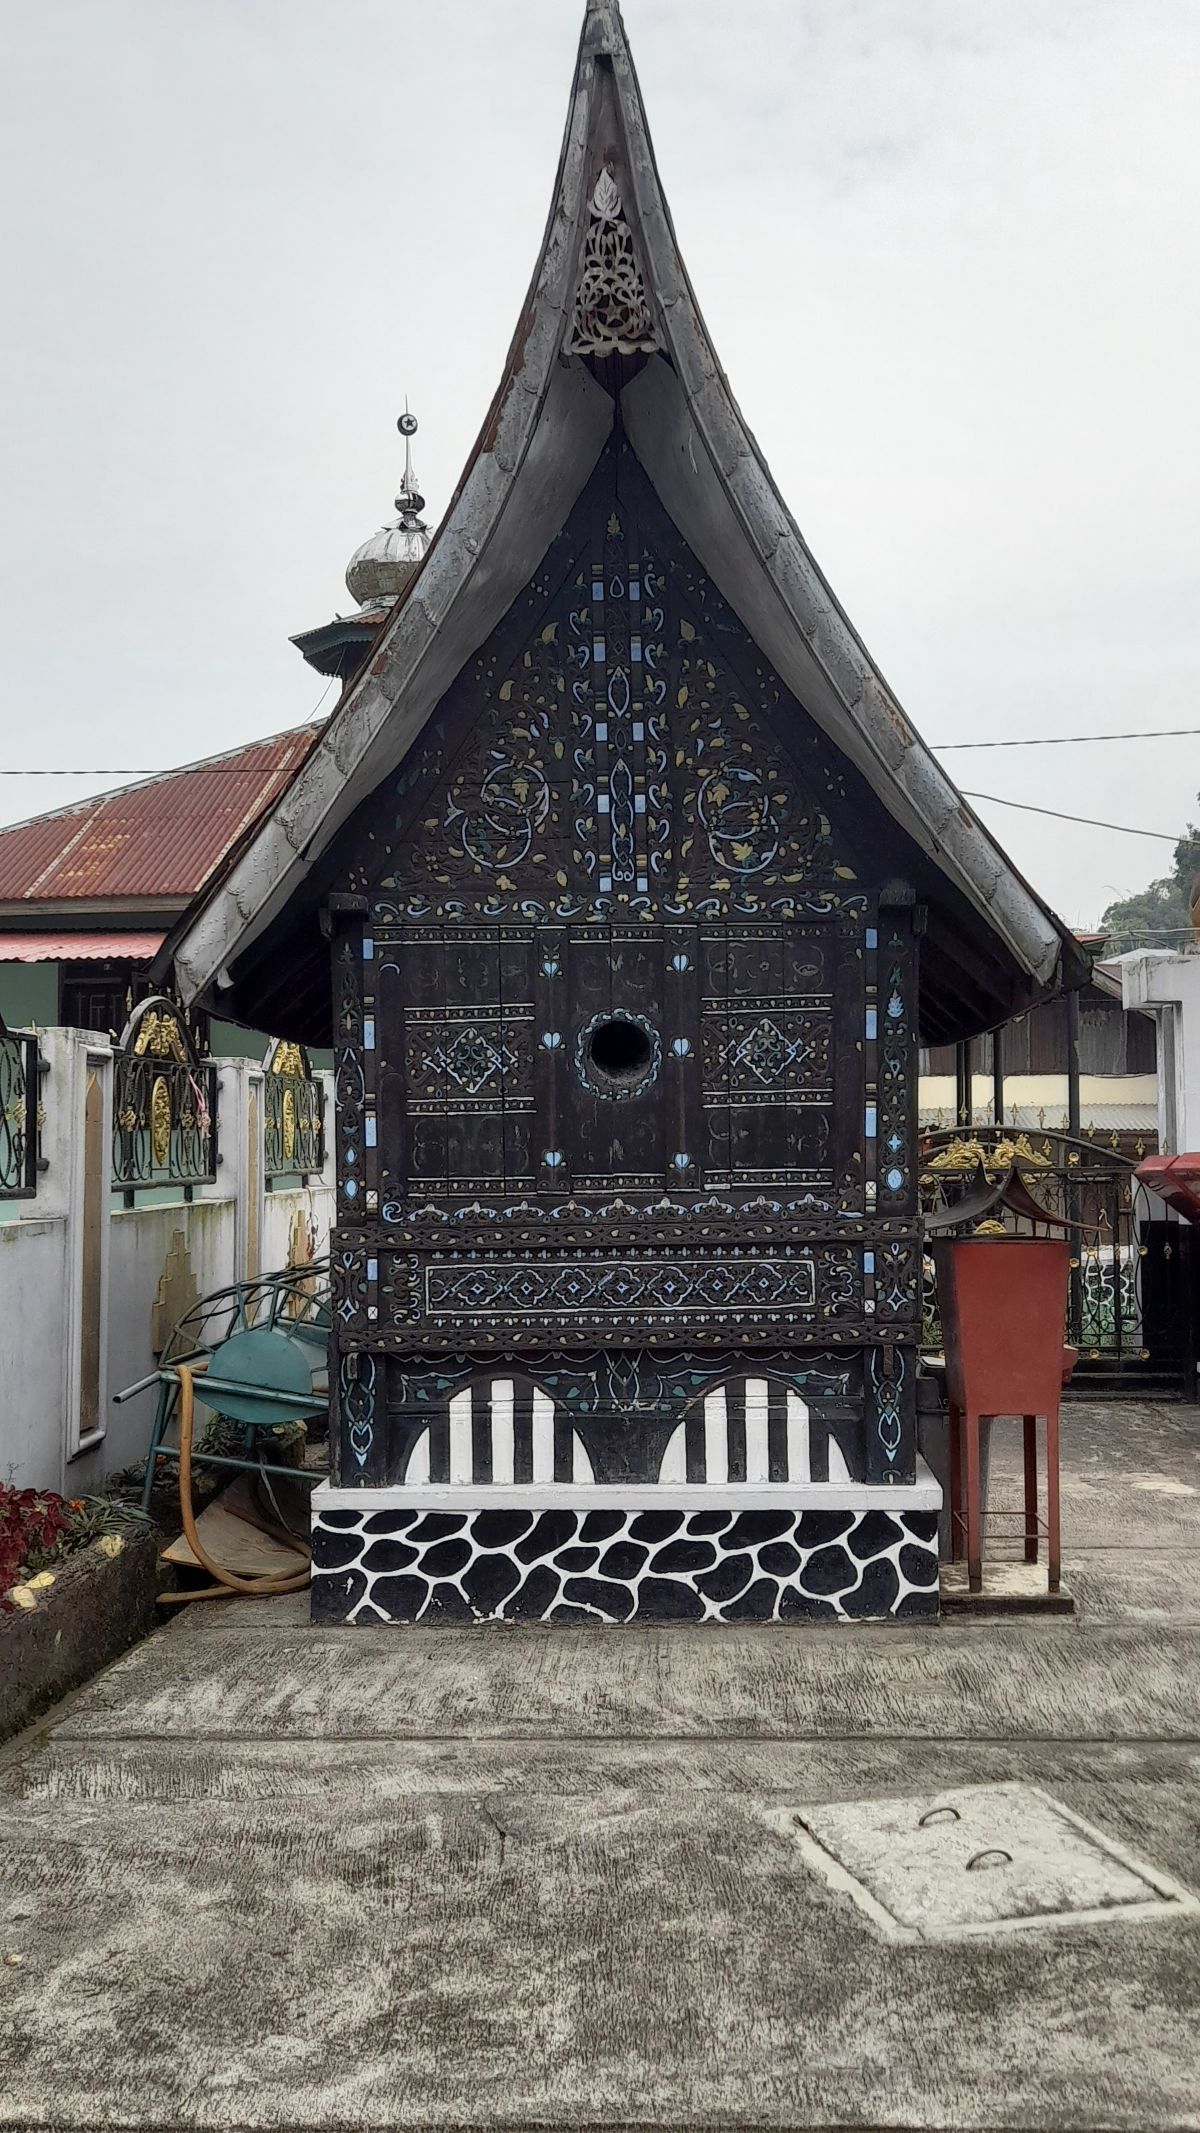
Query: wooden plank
(230, 1532)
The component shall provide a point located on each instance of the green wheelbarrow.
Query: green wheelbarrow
(256, 1355)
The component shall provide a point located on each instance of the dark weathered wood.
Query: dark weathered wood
(644, 994)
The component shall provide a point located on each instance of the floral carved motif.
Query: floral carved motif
(612, 313)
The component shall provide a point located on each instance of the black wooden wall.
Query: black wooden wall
(625, 999)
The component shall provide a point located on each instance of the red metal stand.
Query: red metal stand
(1003, 1303)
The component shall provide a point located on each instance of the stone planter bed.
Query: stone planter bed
(99, 1603)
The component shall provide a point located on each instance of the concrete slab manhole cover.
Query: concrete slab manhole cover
(983, 1859)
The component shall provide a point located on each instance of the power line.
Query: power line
(1028, 807)
(211, 770)
(1123, 828)
(1034, 740)
(1073, 740)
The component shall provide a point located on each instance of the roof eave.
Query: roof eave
(544, 433)
(137, 914)
(689, 433)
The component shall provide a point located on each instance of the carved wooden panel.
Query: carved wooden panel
(622, 1282)
(618, 747)
(619, 1057)
(626, 1052)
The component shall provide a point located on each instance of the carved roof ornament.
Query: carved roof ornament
(612, 313)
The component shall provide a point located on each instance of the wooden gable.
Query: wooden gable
(626, 988)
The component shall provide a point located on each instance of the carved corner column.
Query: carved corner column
(356, 1374)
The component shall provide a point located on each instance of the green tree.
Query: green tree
(1158, 916)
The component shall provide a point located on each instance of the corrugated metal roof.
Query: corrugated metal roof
(161, 837)
(78, 947)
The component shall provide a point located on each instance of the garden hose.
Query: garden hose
(227, 1580)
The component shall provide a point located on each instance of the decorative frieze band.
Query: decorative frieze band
(533, 1296)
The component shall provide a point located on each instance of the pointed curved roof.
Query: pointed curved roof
(567, 373)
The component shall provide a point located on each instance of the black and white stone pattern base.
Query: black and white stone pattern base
(580, 1563)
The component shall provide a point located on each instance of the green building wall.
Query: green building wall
(29, 998)
(29, 994)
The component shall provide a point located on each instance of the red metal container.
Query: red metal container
(1003, 1303)
(1176, 1179)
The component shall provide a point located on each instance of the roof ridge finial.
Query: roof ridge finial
(603, 28)
(380, 569)
(410, 502)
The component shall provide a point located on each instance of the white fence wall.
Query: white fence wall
(87, 1285)
(32, 1385)
(141, 1243)
(291, 1215)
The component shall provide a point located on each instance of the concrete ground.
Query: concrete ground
(260, 1875)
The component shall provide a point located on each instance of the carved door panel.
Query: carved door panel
(456, 1060)
(780, 1004)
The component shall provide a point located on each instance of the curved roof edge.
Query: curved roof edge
(706, 466)
(543, 435)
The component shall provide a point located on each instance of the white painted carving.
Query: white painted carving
(500, 1396)
(746, 1418)
(612, 313)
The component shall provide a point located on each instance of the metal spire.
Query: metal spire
(380, 569)
(410, 502)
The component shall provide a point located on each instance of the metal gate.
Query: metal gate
(1089, 1182)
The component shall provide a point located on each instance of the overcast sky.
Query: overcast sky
(946, 248)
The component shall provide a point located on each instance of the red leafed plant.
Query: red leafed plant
(34, 1526)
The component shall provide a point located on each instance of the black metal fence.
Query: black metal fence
(164, 1104)
(1088, 1180)
(18, 1114)
(293, 1114)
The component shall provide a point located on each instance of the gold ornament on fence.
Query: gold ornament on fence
(160, 1122)
(160, 1035)
(288, 1059)
(964, 1157)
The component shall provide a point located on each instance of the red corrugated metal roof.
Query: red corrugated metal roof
(161, 837)
(78, 947)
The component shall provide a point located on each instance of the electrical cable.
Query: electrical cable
(218, 770)
(210, 770)
(1072, 740)
(1033, 740)
(1124, 829)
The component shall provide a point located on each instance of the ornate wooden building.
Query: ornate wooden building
(627, 892)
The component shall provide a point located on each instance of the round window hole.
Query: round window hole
(619, 1052)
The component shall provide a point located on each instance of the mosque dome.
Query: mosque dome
(378, 571)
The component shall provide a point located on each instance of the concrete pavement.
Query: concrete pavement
(263, 1875)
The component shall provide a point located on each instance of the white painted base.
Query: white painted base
(923, 1494)
(557, 1551)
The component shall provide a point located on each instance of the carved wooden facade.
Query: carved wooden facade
(625, 1035)
(624, 852)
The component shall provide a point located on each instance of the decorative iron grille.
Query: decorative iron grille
(1088, 1180)
(164, 1104)
(293, 1113)
(18, 1114)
